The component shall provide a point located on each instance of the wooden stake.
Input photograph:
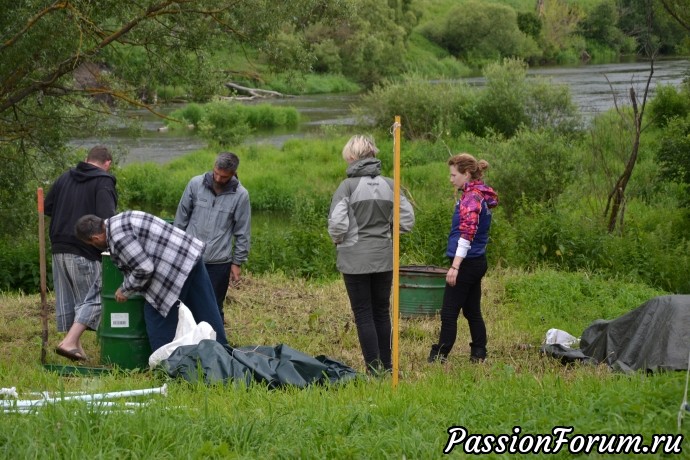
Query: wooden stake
(396, 249)
(42, 265)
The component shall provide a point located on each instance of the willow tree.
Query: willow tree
(679, 10)
(116, 48)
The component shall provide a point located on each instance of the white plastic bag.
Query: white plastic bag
(188, 332)
(557, 336)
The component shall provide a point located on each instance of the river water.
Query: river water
(592, 88)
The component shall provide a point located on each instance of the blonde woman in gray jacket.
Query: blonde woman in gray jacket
(360, 224)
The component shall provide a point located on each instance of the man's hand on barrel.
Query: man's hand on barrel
(119, 297)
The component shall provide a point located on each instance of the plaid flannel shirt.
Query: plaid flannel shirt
(154, 256)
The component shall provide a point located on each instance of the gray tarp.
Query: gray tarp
(274, 366)
(653, 337)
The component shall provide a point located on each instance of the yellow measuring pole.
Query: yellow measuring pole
(396, 248)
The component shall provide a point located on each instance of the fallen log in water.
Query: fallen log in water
(252, 93)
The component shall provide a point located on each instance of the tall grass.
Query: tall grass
(362, 419)
(551, 221)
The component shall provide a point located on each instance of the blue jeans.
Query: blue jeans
(197, 294)
(369, 295)
(220, 279)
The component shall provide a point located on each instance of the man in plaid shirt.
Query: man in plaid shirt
(160, 262)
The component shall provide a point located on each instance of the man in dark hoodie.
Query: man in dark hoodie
(86, 189)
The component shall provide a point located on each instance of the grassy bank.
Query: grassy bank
(363, 419)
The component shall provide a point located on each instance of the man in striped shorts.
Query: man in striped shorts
(86, 189)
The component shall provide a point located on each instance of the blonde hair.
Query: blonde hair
(358, 148)
(464, 162)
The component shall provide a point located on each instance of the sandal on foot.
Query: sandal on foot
(74, 354)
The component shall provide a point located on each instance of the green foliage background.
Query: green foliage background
(525, 127)
(546, 217)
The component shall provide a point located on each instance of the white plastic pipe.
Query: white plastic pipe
(9, 392)
(31, 410)
(87, 397)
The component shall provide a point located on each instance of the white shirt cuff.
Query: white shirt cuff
(463, 247)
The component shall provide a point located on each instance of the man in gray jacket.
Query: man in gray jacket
(215, 209)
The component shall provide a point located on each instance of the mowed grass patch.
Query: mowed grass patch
(315, 317)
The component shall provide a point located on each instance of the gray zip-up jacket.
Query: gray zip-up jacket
(361, 219)
(217, 219)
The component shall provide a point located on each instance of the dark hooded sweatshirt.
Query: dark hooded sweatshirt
(86, 189)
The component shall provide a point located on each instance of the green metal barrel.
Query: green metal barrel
(122, 332)
(421, 290)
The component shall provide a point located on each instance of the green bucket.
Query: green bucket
(421, 290)
(122, 333)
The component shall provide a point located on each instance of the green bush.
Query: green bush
(674, 152)
(479, 31)
(265, 116)
(191, 113)
(426, 243)
(516, 164)
(445, 110)
(665, 266)
(501, 105)
(272, 193)
(20, 265)
(571, 240)
(529, 24)
(548, 235)
(437, 110)
(603, 151)
(425, 152)
(327, 57)
(168, 93)
(145, 187)
(229, 124)
(550, 106)
(297, 244)
(600, 25)
(370, 46)
(510, 100)
(224, 124)
(669, 103)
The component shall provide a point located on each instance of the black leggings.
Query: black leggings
(466, 295)
(369, 295)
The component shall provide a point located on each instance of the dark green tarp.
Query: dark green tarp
(274, 366)
(653, 337)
